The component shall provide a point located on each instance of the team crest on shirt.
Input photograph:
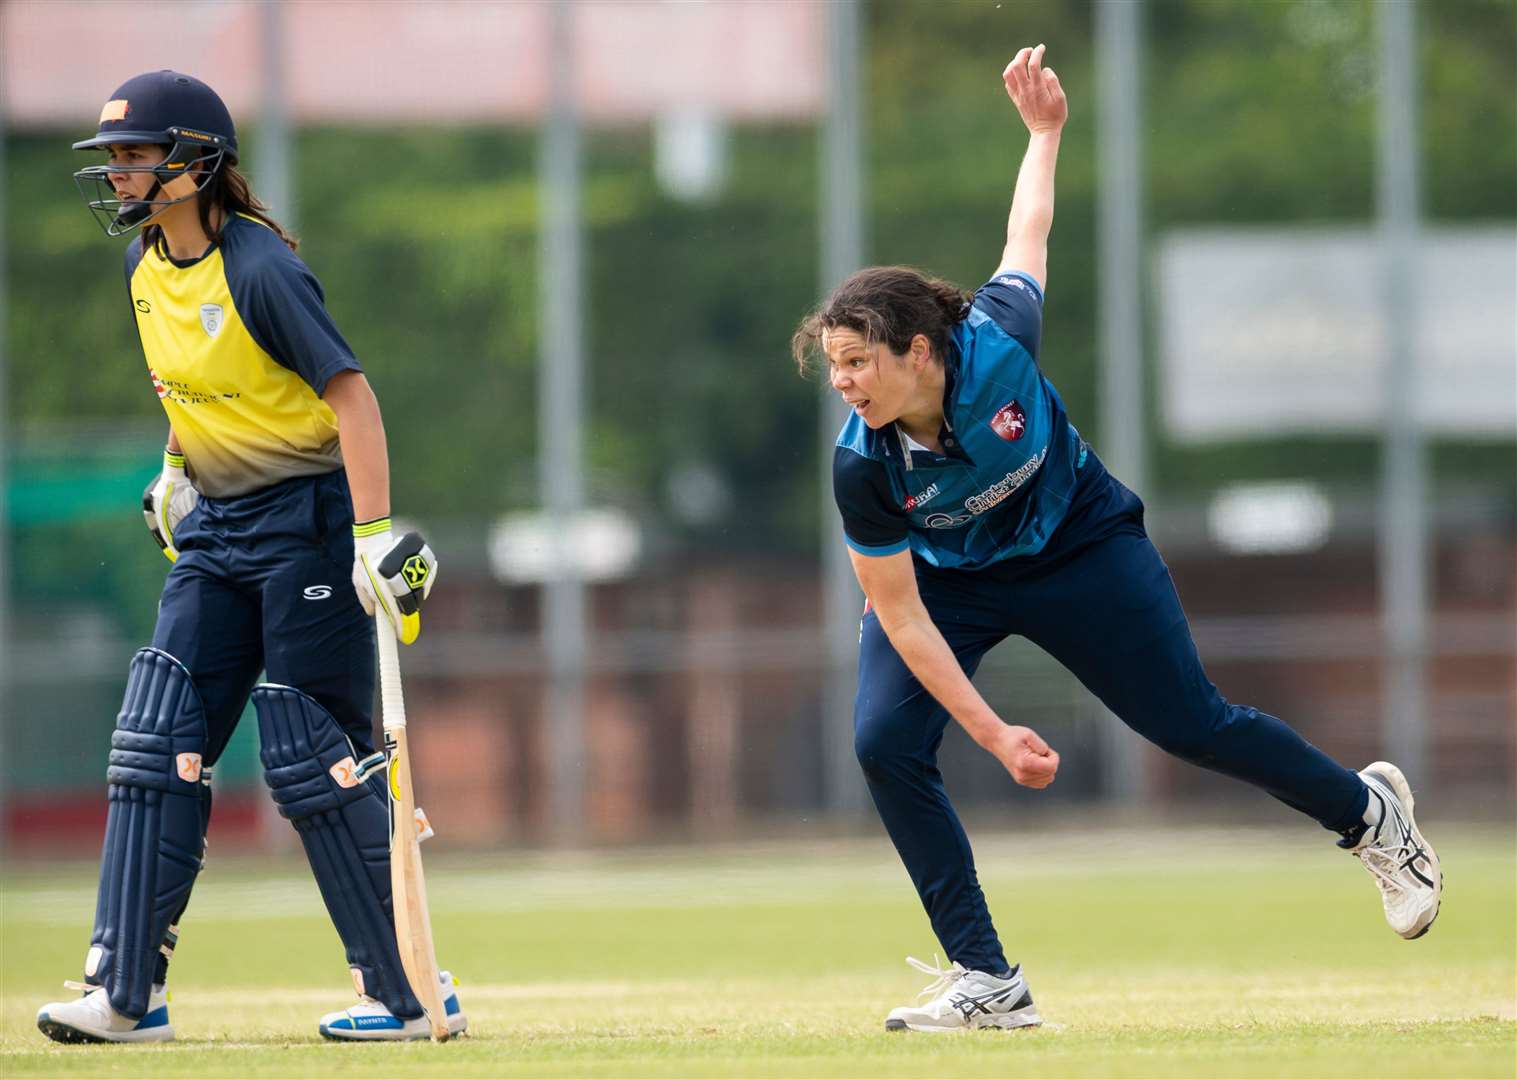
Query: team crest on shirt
(1009, 422)
(211, 318)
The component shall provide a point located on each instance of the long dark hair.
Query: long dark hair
(889, 304)
(230, 190)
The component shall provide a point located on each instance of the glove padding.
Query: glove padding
(395, 574)
(167, 501)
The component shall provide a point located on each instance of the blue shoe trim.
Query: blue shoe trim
(376, 1023)
(159, 1017)
(450, 1005)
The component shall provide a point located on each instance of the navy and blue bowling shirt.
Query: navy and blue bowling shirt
(1010, 457)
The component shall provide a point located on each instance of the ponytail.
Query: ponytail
(230, 190)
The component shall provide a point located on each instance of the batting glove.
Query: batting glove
(395, 574)
(168, 501)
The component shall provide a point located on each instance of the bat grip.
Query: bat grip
(392, 702)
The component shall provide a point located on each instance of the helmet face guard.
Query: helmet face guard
(159, 108)
(118, 216)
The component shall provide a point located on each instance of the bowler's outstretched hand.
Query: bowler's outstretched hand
(1036, 91)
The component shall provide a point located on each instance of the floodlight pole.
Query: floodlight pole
(1402, 537)
(1124, 448)
(560, 405)
(274, 165)
(5, 472)
(273, 175)
(842, 234)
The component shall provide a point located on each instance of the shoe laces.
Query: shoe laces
(943, 978)
(1387, 864)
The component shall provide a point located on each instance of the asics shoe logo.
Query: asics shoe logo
(968, 1005)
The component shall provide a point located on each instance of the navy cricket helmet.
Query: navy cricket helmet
(162, 108)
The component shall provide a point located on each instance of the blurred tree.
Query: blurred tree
(425, 241)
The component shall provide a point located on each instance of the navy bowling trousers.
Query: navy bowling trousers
(1100, 600)
(263, 583)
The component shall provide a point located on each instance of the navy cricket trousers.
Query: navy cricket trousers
(263, 583)
(1104, 606)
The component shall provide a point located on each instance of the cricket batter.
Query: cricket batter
(275, 449)
(974, 511)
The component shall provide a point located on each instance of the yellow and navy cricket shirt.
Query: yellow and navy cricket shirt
(240, 348)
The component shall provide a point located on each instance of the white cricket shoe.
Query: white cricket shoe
(962, 999)
(369, 1020)
(1395, 853)
(90, 1018)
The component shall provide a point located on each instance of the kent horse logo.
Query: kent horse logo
(1009, 422)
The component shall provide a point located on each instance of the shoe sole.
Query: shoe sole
(344, 1035)
(1008, 1022)
(64, 1033)
(1393, 776)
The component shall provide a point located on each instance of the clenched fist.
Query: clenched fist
(1031, 761)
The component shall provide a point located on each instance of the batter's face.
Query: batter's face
(133, 185)
(877, 384)
(136, 185)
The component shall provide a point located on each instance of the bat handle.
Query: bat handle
(392, 701)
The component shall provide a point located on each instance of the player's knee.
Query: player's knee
(310, 764)
(877, 745)
(160, 731)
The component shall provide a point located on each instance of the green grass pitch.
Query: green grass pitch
(1190, 953)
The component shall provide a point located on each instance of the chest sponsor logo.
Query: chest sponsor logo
(921, 498)
(988, 499)
(211, 318)
(182, 393)
(1003, 488)
(1009, 422)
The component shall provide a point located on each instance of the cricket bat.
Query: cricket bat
(408, 888)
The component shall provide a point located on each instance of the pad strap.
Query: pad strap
(342, 816)
(159, 806)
